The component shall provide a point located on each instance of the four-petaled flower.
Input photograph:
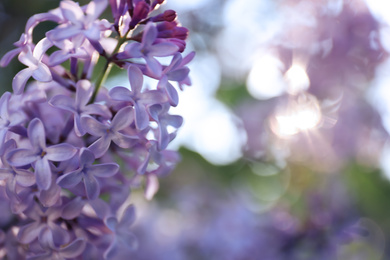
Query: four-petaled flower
(39, 155)
(80, 22)
(160, 114)
(7, 121)
(109, 131)
(148, 49)
(137, 98)
(12, 175)
(87, 173)
(43, 219)
(79, 106)
(36, 68)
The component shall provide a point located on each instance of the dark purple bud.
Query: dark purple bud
(172, 30)
(166, 26)
(167, 16)
(180, 33)
(114, 7)
(157, 2)
(140, 12)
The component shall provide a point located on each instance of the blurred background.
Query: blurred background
(285, 152)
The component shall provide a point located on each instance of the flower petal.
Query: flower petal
(29, 232)
(83, 93)
(42, 173)
(153, 66)
(149, 35)
(46, 238)
(104, 170)
(73, 208)
(41, 48)
(60, 235)
(71, 11)
(141, 116)
(58, 57)
(121, 94)
(70, 179)
(51, 196)
(123, 141)
(95, 9)
(92, 187)
(163, 49)
(20, 80)
(6, 59)
(4, 101)
(63, 102)
(163, 137)
(86, 156)
(59, 34)
(132, 50)
(21, 157)
(5, 173)
(73, 249)
(25, 178)
(100, 146)
(152, 186)
(27, 58)
(94, 127)
(136, 78)
(93, 34)
(97, 109)
(60, 152)
(42, 73)
(179, 74)
(78, 127)
(122, 119)
(127, 219)
(36, 134)
(172, 94)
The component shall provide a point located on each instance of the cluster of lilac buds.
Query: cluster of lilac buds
(70, 149)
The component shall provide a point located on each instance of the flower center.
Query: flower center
(43, 154)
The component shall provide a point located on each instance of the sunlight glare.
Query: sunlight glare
(297, 79)
(265, 79)
(299, 115)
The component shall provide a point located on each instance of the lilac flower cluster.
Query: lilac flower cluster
(70, 149)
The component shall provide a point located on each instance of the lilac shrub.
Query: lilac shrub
(71, 150)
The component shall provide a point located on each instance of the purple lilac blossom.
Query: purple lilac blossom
(36, 68)
(140, 100)
(87, 173)
(71, 150)
(109, 131)
(40, 155)
(148, 50)
(79, 105)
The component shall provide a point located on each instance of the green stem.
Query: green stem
(107, 68)
(102, 77)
